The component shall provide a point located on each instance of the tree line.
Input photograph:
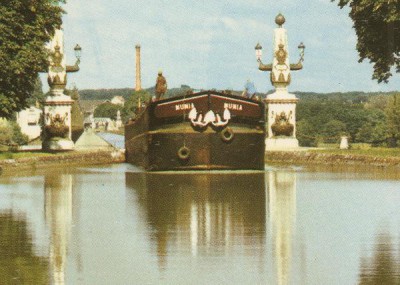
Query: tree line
(372, 118)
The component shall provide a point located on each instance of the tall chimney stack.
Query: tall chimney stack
(138, 86)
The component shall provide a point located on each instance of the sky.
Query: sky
(210, 44)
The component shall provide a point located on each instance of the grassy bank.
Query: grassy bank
(373, 151)
(18, 155)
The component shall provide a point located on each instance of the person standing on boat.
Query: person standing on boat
(161, 85)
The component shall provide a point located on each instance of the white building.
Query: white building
(118, 100)
(29, 122)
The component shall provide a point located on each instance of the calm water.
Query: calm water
(115, 225)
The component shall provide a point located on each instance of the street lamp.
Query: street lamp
(75, 67)
(301, 48)
(78, 51)
(258, 49)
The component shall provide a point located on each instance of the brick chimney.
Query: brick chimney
(138, 86)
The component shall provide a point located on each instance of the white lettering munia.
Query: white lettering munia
(185, 106)
(233, 106)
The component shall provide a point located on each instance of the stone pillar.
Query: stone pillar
(56, 133)
(138, 86)
(281, 116)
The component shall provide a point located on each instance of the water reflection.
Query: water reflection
(204, 214)
(58, 213)
(106, 226)
(282, 207)
(383, 266)
(19, 263)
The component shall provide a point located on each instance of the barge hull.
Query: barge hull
(160, 151)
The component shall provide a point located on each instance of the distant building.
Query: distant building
(29, 122)
(118, 100)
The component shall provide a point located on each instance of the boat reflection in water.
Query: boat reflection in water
(58, 214)
(200, 212)
(221, 214)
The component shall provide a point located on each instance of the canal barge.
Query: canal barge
(205, 130)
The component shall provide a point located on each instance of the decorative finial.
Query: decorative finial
(280, 20)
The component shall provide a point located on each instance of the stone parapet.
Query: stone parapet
(62, 160)
(319, 158)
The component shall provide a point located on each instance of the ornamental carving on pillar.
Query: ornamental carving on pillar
(280, 68)
(57, 126)
(56, 58)
(281, 126)
(281, 55)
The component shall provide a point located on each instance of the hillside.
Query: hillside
(354, 96)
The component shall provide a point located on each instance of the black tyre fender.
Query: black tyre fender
(227, 134)
(183, 153)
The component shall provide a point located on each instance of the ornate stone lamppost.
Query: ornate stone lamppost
(56, 133)
(281, 116)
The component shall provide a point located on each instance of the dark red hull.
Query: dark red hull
(165, 138)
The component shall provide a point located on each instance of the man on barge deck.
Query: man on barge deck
(161, 86)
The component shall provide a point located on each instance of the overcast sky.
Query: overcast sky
(210, 44)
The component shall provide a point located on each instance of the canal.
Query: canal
(117, 225)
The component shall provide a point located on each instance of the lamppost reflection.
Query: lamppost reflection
(282, 219)
(58, 213)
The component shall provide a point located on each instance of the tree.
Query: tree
(333, 130)
(373, 129)
(10, 133)
(37, 96)
(393, 119)
(377, 25)
(107, 110)
(377, 102)
(25, 28)
(306, 134)
(132, 104)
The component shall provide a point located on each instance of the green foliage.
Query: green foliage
(37, 96)
(374, 128)
(131, 105)
(108, 94)
(25, 28)
(377, 102)
(377, 25)
(17, 136)
(393, 118)
(333, 130)
(5, 133)
(105, 94)
(361, 113)
(10, 133)
(19, 264)
(107, 110)
(305, 133)
(174, 92)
